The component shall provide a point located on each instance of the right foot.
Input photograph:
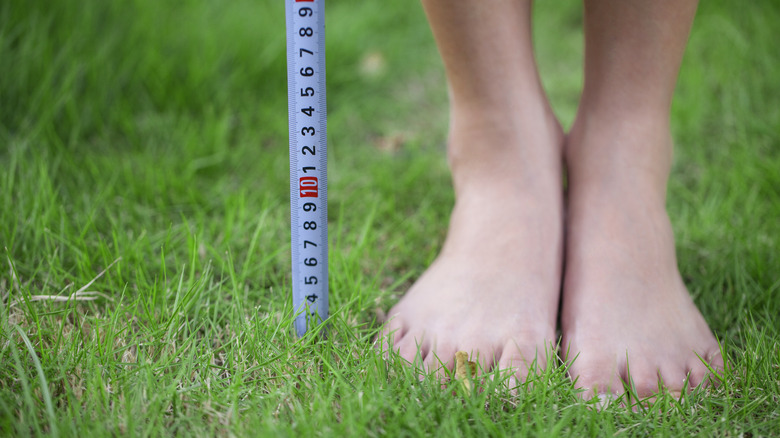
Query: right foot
(493, 290)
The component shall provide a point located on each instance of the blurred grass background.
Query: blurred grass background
(154, 133)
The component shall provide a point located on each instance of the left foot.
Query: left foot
(627, 317)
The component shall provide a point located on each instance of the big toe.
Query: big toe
(390, 335)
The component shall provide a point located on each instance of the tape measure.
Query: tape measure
(308, 160)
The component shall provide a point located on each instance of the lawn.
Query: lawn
(144, 223)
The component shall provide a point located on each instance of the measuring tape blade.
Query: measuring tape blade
(308, 160)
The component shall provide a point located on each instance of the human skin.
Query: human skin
(504, 248)
(494, 290)
(626, 314)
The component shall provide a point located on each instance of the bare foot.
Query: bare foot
(493, 290)
(627, 316)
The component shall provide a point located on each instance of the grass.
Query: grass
(143, 173)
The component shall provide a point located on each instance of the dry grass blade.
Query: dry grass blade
(80, 295)
(465, 370)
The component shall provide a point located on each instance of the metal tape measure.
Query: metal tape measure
(308, 160)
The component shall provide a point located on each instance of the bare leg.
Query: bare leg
(625, 306)
(494, 289)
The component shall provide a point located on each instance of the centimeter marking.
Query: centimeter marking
(308, 160)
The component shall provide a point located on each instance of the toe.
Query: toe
(701, 370)
(481, 352)
(597, 377)
(390, 335)
(440, 359)
(673, 379)
(648, 386)
(644, 379)
(716, 365)
(521, 360)
(412, 348)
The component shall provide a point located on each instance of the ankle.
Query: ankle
(495, 149)
(629, 154)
